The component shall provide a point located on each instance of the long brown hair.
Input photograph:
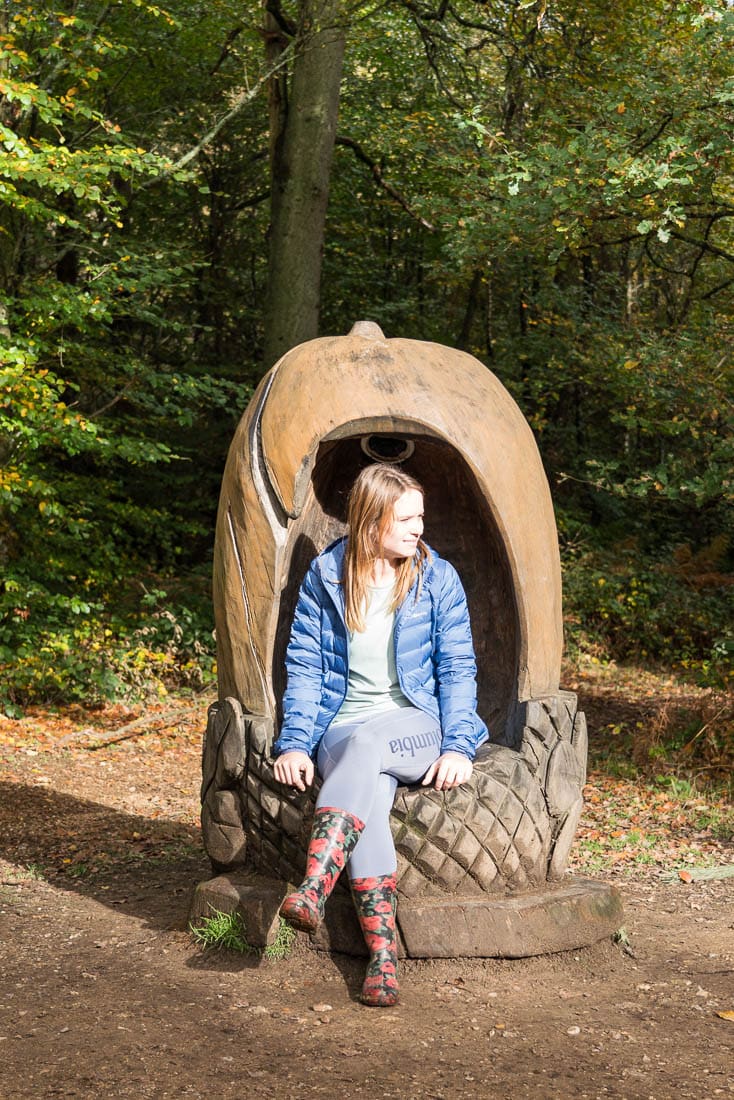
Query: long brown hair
(370, 512)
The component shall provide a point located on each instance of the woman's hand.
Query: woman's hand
(295, 769)
(450, 770)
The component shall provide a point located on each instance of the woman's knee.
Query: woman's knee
(362, 749)
(356, 773)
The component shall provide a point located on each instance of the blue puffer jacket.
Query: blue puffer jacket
(433, 650)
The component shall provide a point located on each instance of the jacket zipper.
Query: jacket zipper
(399, 618)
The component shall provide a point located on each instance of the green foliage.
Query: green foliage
(104, 409)
(567, 189)
(282, 945)
(227, 932)
(59, 647)
(624, 605)
(543, 186)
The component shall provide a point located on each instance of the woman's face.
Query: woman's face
(401, 538)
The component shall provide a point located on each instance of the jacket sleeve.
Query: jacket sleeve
(304, 672)
(456, 669)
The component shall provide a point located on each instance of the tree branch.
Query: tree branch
(147, 723)
(694, 267)
(422, 12)
(706, 245)
(714, 290)
(380, 180)
(45, 85)
(645, 143)
(241, 102)
(253, 200)
(225, 50)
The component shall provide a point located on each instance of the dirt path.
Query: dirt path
(104, 995)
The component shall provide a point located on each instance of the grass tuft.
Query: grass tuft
(227, 932)
(222, 932)
(29, 872)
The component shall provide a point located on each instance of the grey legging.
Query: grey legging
(361, 764)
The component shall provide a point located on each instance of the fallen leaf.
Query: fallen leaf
(685, 876)
(727, 1014)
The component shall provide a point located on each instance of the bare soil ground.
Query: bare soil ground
(104, 993)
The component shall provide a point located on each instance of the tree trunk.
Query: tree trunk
(301, 155)
(472, 304)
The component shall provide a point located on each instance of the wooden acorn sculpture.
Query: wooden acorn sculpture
(325, 409)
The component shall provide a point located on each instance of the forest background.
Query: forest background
(187, 191)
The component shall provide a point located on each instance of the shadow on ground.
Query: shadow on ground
(129, 862)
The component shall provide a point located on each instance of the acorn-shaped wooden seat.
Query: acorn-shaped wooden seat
(325, 410)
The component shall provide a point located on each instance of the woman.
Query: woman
(381, 689)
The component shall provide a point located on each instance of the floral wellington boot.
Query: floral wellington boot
(375, 901)
(334, 834)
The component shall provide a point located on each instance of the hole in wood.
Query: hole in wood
(387, 448)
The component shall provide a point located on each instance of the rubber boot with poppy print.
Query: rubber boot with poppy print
(375, 901)
(334, 834)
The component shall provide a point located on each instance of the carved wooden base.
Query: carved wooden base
(510, 828)
(564, 916)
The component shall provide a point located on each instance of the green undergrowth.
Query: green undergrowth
(227, 932)
(139, 642)
(29, 872)
(672, 608)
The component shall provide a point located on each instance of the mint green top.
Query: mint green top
(373, 676)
